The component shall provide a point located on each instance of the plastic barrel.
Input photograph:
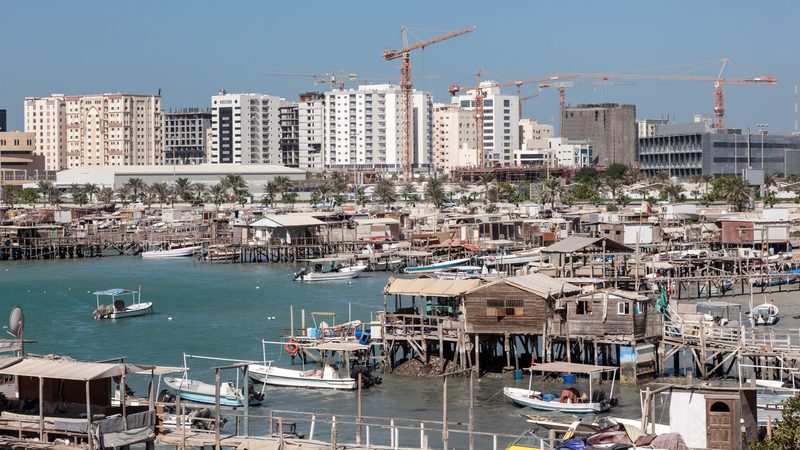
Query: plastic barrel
(569, 378)
(518, 374)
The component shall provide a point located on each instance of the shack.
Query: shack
(287, 229)
(580, 252)
(377, 228)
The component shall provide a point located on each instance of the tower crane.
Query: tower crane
(480, 94)
(719, 81)
(335, 80)
(525, 98)
(406, 88)
(562, 94)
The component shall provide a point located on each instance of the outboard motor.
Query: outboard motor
(254, 393)
(299, 274)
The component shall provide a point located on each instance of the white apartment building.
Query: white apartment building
(569, 153)
(363, 128)
(311, 130)
(454, 137)
(46, 116)
(534, 135)
(500, 122)
(114, 130)
(245, 128)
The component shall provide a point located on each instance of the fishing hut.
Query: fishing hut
(73, 403)
(578, 255)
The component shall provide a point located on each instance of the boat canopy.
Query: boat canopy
(338, 346)
(63, 369)
(568, 367)
(430, 287)
(114, 292)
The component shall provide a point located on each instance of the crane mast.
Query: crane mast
(406, 88)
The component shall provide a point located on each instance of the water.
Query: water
(222, 310)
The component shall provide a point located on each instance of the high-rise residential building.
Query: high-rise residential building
(17, 157)
(3, 120)
(311, 130)
(610, 127)
(363, 128)
(245, 128)
(454, 137)
(47, 117)
(185, 133)
(534, 135)
(289, 142)
(500, 122)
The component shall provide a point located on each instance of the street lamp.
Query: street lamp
(762, 128)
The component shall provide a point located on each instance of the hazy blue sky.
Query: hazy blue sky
(190, 49)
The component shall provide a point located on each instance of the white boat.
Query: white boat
(118, 309)
(326, 378)
(436, 266)
(328, 269)
(596, 402)
(174, 251)
(765, 314)
(465, 272)
(199, 392)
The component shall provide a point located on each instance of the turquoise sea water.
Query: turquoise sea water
(222, 310)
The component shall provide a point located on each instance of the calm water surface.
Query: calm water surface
(223, 310)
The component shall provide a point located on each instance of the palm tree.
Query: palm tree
(160, 192)
(55, 197)
(45, 187)
(105, 195)
(737, 193)
(408, 191)
(385, 192)
(218, 193)
(661, 177)
(486, 180)
(74, 190)
(770, 180)
(704, 179)
(673, 191)
(290, 198)
(197, 191)
(324, 191)
(613, 185)
(551, 191)
(125, 194)
(183, 189)
(271, 190)
(137, 186)
(91, 190)
(361, 196)
(434, 192)
(338, 184)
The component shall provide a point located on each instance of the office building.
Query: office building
(454, 138)
(245, 129)
(500, 122)
(363, 128)
(47, 118)
(18, 157)
(311, 130)
(569, 153)
(185, 134)
(611, 128)
(685, 150)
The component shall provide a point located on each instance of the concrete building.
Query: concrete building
(533, 135)
(529, 157)
(311, 130)
(290, 138)
(17, 157)
(685, 150)
(255, 175)
(245, 129)
(610, 127)
(114, 130)
(363, 128)
(570, 153)
(454, 137)
(47, 117)
(185, 133)
(3, 120)
(648, 127)
(500, 122)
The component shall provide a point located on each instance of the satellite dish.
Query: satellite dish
(15, 321)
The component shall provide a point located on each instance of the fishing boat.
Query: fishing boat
(328, 269)
(118, 309)
(765, 314)
(570, 401)
(326, 378)
(437, 266)
(172, 251)
(199, 392)
(464, 272)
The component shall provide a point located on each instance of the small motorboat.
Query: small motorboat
(328, 269)
(326, 378)
(172, 251)
(436, 266)
(765, 314)
(118, 309)
(199, 392)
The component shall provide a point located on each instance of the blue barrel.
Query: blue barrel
(549, 397)
(517, 374)
(358, 334)
(364, 339)
(569, 378)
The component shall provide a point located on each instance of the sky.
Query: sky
(192, 49)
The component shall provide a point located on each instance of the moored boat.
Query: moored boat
(173, 251)
(328, 269)
(326, 378)
(118, 309)
(765, 314)
(436, 266)
(199, 392)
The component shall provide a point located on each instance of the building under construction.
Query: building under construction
(610, 127)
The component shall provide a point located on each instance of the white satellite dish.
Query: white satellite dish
(16, 321)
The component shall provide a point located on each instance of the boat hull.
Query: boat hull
(346, 273)
(135, 310)
(198, 392)
(173, 253)
(273, 376)
(437, 266)
(530, 399)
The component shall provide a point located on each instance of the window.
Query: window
(506, 102)
(504, 307)
(624, 308)
(583, 307)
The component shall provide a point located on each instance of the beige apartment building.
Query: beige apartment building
(17, 158)
(96, 130)
(534, 135)
(454, 137)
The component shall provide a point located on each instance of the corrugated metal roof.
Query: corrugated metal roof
(63, 369)
(567, 367)
(430, 286)
(542, 285)
(287, 220)
(574, 243)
